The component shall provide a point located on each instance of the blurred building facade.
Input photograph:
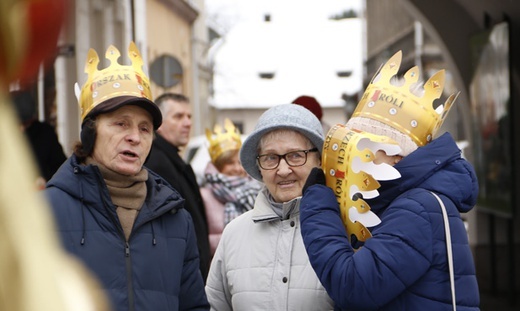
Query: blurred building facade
(272, 52)
(171, 35)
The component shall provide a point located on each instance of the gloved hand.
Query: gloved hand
(316, 177)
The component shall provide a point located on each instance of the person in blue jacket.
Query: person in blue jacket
(401, 261)
(124, 222)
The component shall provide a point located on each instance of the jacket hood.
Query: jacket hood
(436, 167)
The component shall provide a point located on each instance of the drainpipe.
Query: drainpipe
(139, 29)
(40, 89)
(196, 119)
(419, 42)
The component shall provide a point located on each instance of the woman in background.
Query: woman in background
(260, 262)
(228, 191)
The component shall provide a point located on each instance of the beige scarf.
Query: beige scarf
(127, 193)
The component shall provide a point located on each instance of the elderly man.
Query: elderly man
(122, 220)
(172, 136)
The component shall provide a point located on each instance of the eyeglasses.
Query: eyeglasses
(270, 161)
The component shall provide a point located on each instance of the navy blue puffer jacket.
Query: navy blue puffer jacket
(157, 269)
(404, 265)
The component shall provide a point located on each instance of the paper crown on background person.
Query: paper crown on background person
(397, 107)
(114, 81)
(223, 139)
(348, 164)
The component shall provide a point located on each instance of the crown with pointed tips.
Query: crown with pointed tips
(223, 140)
(350, 171)
(114, 81)
(398, 107)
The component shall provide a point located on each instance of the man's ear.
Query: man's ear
(88, 135)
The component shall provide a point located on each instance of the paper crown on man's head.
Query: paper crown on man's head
(223, 139)
(397, 107)
(116, 80)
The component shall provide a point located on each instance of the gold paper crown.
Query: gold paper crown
(348, 163)
(114, 81)
(223, 141)
(399, 108)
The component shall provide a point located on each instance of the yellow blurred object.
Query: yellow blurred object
(35, 272)
(13, 17)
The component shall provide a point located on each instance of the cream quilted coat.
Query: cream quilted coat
(261, 264)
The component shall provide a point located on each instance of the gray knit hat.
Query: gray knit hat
(287, 116)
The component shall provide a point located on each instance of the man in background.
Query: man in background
(164, 159)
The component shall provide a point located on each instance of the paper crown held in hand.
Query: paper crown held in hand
(348, 163)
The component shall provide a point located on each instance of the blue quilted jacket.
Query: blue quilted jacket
(157, 269)
(404, 265)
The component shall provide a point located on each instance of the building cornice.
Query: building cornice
(183, 8)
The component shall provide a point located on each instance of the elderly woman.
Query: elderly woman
(260, 262)
(122, 220)
(228, 191)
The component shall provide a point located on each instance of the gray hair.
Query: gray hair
(176, 97)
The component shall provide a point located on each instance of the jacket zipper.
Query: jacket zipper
(129, 277)
(128, 260)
